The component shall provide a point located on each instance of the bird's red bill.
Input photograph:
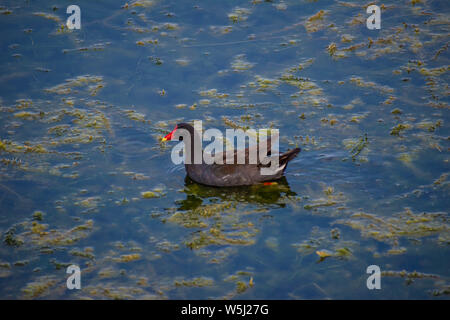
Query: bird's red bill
(169, 136)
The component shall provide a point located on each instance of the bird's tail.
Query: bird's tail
(288, 156)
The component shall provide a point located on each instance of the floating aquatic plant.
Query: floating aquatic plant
(403, 224)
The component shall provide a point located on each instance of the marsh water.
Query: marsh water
(86, 180)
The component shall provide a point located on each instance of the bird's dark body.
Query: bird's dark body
(227, 175)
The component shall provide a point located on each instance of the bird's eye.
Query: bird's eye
(181, 138)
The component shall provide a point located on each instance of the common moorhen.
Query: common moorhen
(228, 175)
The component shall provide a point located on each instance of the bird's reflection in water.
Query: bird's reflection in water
(226, 216)
(271, 194)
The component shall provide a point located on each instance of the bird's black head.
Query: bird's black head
(181, 125)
